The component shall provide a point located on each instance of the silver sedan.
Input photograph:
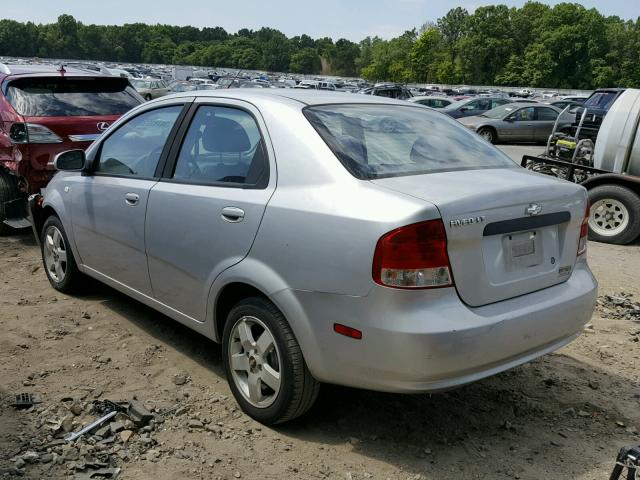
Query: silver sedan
(365, 242)
(517, 122)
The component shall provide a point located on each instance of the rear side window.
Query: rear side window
(61, 97)
(222, 145)
(377, 141)
(135, 148)
(546, 114)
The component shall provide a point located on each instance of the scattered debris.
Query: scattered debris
(25, 400)
(620, 306)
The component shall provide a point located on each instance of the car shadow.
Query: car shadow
(541, 417)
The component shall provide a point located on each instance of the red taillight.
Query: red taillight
(584, 231)
(414, 256)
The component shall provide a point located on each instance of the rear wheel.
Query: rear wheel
(59, 263)
(488, 134)
(614, 215)
(264, 365)
(8, 192)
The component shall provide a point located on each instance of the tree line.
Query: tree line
(564, 46)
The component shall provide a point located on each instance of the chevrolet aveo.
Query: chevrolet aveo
(322, 237)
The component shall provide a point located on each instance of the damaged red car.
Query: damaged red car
(45, 110)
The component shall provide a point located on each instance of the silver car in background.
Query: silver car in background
(518, 122)
(365, 241)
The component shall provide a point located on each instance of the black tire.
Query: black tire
(298, 390)
(72, 279)
(148, 97)
(489, 134)
(631, 202)
(8, 192)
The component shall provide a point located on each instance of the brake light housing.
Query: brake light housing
(32, 133)
(413, 257)
(584, 231)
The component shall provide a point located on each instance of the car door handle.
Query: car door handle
(232, 214)
(132, 198)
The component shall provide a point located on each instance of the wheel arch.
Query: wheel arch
(252, 276)
(229, 296)
(631, 182)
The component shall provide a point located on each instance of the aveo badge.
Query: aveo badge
(462, 222)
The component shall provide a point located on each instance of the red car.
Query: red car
(45, 110)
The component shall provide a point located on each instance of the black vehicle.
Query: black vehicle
(389, 90)
(597, 106)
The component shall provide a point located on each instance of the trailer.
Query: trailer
(609, 170)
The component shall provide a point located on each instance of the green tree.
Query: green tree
(305, 61)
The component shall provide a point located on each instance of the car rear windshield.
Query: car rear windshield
(378, 141)
(601, 100)
(57, 97)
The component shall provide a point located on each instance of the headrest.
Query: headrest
(225, 135)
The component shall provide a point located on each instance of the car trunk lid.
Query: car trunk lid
(509, 231)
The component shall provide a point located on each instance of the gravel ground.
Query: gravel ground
(562, 416)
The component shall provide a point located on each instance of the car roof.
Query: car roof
(287, 95)
(435, 97)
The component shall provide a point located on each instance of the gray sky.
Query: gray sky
(352, 19)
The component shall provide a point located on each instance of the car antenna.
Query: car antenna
(62, 69)
(234, 78)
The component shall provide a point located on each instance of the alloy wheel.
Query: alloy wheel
(55, 254)
(255, 361)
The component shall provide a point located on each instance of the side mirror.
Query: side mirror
(70, 161)
(510, 118)
(466, 108)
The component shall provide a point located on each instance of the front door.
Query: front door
(203, 217)
(520, 127)
(109, 206)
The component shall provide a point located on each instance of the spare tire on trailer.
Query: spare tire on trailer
(8, 192)
(615, 214)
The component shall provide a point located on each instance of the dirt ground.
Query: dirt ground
(561, 417)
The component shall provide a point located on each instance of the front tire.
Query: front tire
(264, 365)
(488, 134)
(57, 258)
(615, 214)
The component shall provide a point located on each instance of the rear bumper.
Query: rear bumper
(425, 341)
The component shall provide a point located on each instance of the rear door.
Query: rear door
(545, 119)
(109, 206)
(204, 214)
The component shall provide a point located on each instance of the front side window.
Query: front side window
(376, 141)
(222, 145)
(135, 148)
(524, 115)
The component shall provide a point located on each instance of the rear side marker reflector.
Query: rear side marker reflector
(347, 331)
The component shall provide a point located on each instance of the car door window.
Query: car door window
(222, 145)
(546, 114)
(473, 105)
(525, 114)
(483, 105)
(134, 149)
